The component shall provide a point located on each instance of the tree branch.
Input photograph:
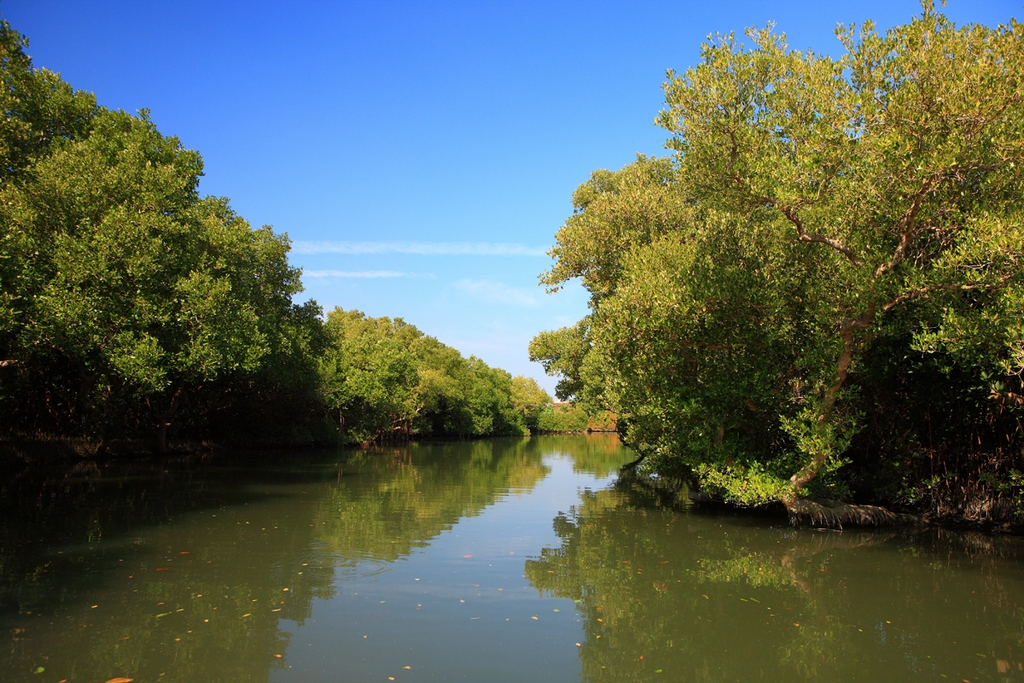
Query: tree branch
(804, 236)
(907, 226)
(923, 292)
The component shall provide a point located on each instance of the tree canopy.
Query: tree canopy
(821, 225)
(131, 305)
(385, 379)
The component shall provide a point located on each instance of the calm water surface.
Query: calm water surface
(503, 560)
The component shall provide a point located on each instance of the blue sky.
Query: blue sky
(420, 155)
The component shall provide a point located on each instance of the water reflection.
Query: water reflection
(389, 501)
(351, 566)
(729, 598)
(202, 568)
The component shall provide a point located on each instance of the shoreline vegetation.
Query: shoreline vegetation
(815, 299)
(137, 316)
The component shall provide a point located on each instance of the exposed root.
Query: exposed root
(701, 497)
(833, 514)
(631, 466)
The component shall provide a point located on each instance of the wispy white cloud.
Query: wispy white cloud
(363, 273)
(497, 292)
(421, 248)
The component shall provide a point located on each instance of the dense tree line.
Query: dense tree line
(132, 308)
(817, 295)
(384, 378)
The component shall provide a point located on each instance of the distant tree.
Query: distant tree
(383, 378)
(369, 376)
(528, 399)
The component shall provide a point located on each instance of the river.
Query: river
(496, 560)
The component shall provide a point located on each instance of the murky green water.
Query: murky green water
(506, 560)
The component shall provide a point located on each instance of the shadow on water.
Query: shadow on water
(206, 569)
(703, 596)
(183, 569)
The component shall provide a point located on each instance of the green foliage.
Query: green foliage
(529, 400)
(563, 418)
(128, 299)
(818, 214)
(384, 379)
(144, 289)
(130, 304)
(562, 353)
(368, 374)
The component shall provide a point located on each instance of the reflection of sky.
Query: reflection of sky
(417, 123)
(449, 616)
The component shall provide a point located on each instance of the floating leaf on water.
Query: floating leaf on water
(556, 610)
(39, 670)
(279, 656)
(535, 618)
(657, 671)
(121, 680)
(161, 569)
(407, 668)
(163, 614)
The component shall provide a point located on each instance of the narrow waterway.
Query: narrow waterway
(498, 560)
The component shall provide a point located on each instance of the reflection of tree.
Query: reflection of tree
(723, 598)
(170, 598)
(389, 501)
(599, 454)
(192, 565)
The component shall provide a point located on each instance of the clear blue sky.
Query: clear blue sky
(420, 155)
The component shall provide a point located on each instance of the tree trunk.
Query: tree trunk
(165, 421)
(792, 500)
(834, 514)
